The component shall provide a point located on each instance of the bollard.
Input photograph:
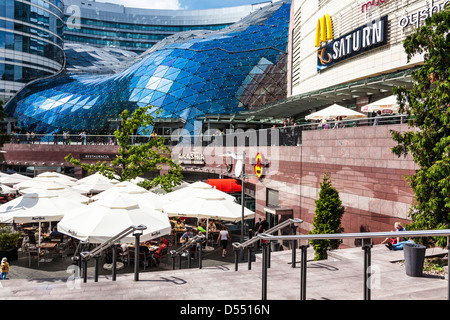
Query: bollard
(249, 254)
(264, 271)
(189, 257)
(303, 272)
(367, 264)
(85, 270)
(96, 268)
(136, 256)
(114, 262)
(236, 257)
(173, 262)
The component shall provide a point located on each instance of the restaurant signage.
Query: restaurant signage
(373, 3)
(417, 17)
(97, 156)
(260, 165)
(191, 158)
(356, 42)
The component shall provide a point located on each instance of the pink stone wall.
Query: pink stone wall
(368, 176)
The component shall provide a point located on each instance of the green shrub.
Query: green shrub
(8, 239)
(327, 219)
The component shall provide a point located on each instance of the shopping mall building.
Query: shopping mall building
(284, 60)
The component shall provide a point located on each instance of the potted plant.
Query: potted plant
(8, 243)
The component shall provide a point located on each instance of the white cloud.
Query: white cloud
(147, 4)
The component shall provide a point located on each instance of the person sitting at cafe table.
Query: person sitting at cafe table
(55, 233)
(157, 255)
(179, 226)
(212, 226)
(186, 236)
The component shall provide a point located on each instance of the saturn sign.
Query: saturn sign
(365, 38)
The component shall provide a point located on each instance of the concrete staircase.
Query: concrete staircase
(339, 278)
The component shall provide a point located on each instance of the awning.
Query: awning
(225, 185)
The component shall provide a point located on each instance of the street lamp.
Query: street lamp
(138, 231)
(239, 171)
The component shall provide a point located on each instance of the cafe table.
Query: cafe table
(47, 246)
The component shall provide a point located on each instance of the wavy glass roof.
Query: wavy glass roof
(187, 75)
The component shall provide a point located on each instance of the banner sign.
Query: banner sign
(356, 42)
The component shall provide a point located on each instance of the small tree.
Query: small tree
(327, 220)
(428, 105)
(134, 160)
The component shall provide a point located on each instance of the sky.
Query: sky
(182, 4)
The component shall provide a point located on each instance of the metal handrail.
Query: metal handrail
(366, 247)
(249, 243)
(188, 244)
(361, 235)
(105, 245)
(279, 226)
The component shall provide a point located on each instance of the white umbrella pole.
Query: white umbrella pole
(207, 229)
(39, 242)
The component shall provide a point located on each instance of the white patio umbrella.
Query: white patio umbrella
(41, 206)
(131, 191)
(161, 191)
(195, 189)
(335, 111)
(13, 179)
(385, 105)
(94, 178)
(93, 187)
(56, 176)
(58, 190)
(208, 206)
(5, 189)
(38, 182)
(99, 222)
(212, 205)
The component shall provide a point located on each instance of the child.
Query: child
(4, 269)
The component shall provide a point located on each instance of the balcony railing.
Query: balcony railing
(275, 136)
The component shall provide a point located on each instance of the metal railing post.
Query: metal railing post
(236, 257)
(85, 270)
(136, 256)
(367, 263)
(96, 257)
(303, 264)
(264, 271)
(448, 265)
(173, 261)
(114, 262)
(200, 250)
(294, 248)
(189, 257)
(249, 254)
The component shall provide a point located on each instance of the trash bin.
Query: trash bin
(414, 259)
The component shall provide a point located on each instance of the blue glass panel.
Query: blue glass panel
(187, 77)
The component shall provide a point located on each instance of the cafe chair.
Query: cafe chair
(33, 254)
(143, 257)
(157, 257)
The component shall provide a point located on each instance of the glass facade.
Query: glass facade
(105, 24)
(31, 43)
(185, 76)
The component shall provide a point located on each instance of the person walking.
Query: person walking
(223, 237)
(4, 269)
